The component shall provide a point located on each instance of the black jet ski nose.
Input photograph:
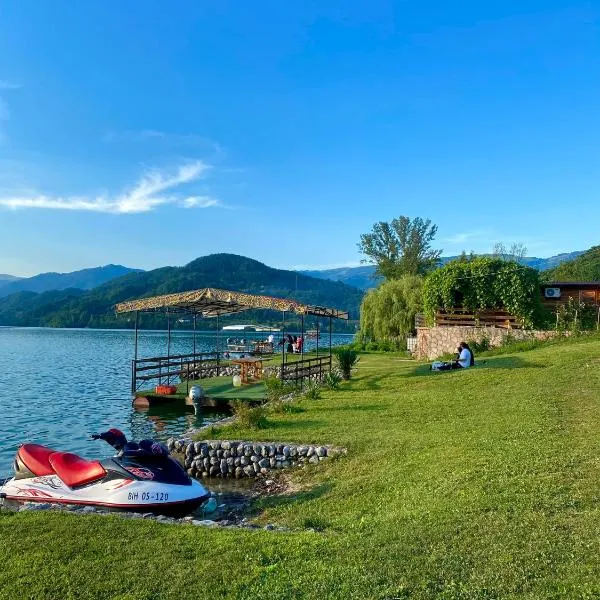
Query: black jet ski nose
(115, 437)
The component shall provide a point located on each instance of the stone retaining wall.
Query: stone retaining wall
(227, 458)
(433, 342)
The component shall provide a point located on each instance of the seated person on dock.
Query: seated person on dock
(463, 360)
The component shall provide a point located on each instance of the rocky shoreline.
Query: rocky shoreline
(225, 509)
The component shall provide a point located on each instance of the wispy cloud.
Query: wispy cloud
(154, 189)
(164, 137)
(467, 236)
(9, 85)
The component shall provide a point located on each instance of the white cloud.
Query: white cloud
(152, 190)
(200, 202)
(9, 85)
(461, 238)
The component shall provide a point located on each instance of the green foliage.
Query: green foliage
(387, 313)
(576, 316)
(332, 380)
(478, 346)
(402, 247)
(346, 359)
(312, 390)
(585, 267)
(276, 388)
(249, 417)
(484, 284)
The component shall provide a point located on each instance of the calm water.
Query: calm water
(57, 386)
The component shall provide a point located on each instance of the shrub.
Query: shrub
(276, 388)
(346, 359)
(332, 379)
(312, 391)
(248, 416)
(285, 407)
(483, 345)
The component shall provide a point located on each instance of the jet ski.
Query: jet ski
(141, 477)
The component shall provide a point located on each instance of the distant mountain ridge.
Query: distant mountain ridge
(5, 278)
(95, 308)
(585, 267)
(364, 278)
(85, 279)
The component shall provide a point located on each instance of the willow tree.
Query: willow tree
(387, 312)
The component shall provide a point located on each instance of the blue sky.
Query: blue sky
(150, 133)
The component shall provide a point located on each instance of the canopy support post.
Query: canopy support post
(218, 344)
(168, 347)
(330, 351)
(282, 343)
(302, 349)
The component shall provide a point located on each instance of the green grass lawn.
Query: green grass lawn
(473, 484)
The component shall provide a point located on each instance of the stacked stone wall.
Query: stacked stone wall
(433, 342)
(227, 458)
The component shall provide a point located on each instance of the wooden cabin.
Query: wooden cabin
(559, 292)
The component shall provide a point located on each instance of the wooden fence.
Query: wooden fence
(466, 318)
(306, 368)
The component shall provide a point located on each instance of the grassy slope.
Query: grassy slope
(476, 484)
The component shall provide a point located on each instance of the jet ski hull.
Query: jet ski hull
(118, 494)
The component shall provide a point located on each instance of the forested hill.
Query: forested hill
(585, 267)
(95, 308)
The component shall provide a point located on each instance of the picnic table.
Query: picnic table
(250, 368)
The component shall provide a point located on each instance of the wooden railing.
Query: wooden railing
(165, 368)
(466, 318)
(308, 367)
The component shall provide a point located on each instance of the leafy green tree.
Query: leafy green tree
(516, 252)
(388, 312)
(402, 247)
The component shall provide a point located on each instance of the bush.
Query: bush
(312, 391)
(332, 379)
(285, 407)
(249, 417)
(346, 359)
(277, 389)
(483, 345)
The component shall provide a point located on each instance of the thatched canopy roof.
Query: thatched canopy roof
(211, 302)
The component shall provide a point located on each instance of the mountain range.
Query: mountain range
(95, 308)
(364, 277)
(85, 279)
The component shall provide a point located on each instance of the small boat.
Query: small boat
(258, 328)
(313, 333)
(141, 477)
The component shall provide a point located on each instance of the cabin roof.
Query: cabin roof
(577, 284)
(212, 302)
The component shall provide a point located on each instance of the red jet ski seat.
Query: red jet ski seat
(74, 470)
(36, 458)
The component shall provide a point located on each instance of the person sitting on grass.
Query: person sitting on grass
(463, 360)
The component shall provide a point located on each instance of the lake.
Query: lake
(57, 386)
